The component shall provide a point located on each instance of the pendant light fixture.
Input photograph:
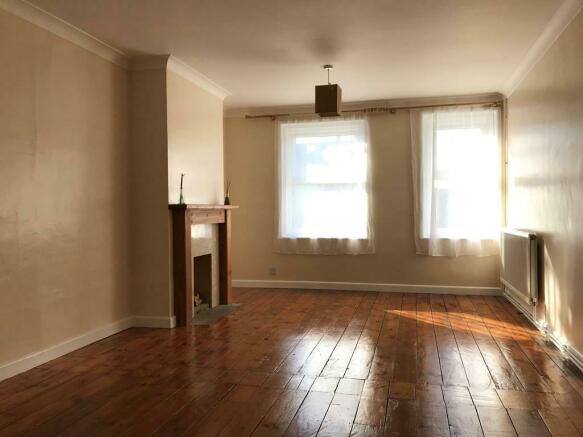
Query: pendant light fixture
(328, 97)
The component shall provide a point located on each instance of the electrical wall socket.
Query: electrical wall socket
(272, 271)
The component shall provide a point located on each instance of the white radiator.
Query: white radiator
(519, 271)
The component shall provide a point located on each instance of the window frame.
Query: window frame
(286, 234)
(463, 236)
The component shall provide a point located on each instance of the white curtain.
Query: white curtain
(323, 196)
(457, 180)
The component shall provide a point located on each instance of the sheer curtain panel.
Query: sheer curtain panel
(324, 202)
(456, 180)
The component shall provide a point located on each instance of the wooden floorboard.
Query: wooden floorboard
(293, 362)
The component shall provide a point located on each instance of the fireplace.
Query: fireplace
(190, 245)
(202, 281)
(205, 265)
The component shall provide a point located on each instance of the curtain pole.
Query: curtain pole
(390, 109)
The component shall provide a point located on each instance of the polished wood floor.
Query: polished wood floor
(311, 362)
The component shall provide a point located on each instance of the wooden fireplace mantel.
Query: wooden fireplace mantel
(183, 217)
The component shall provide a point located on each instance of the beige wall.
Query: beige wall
(87, 152)
(149, 194)
(250, 164)
(545, 152)
(195, 147)
(195, 142)
(177, 127)
(64, 208)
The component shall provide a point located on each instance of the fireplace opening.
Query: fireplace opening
(202, 282)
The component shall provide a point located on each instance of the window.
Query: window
(458, 174)
(323, 181)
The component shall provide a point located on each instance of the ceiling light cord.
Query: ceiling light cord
(328, 67)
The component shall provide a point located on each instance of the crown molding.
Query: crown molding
(564, 15)
(51, 23)
(196, 77)
(59, 27)
(404, 102)
(55, 25)
(172, 63)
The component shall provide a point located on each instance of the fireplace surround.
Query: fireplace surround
(184, 216)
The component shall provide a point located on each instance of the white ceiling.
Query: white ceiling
(270, 52)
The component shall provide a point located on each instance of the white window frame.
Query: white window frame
(468, 236)
(290, 238)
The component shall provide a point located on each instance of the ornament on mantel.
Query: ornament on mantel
(227, 193)
(181, 199)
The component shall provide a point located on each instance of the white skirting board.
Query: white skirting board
(524, 309)
(27, 362)
(567, 350)
(153, 322)
(37, 358)
(365, 286)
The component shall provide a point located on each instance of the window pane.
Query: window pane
(328, 211)
(461, 184)
(323, 180)
(330, 159)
